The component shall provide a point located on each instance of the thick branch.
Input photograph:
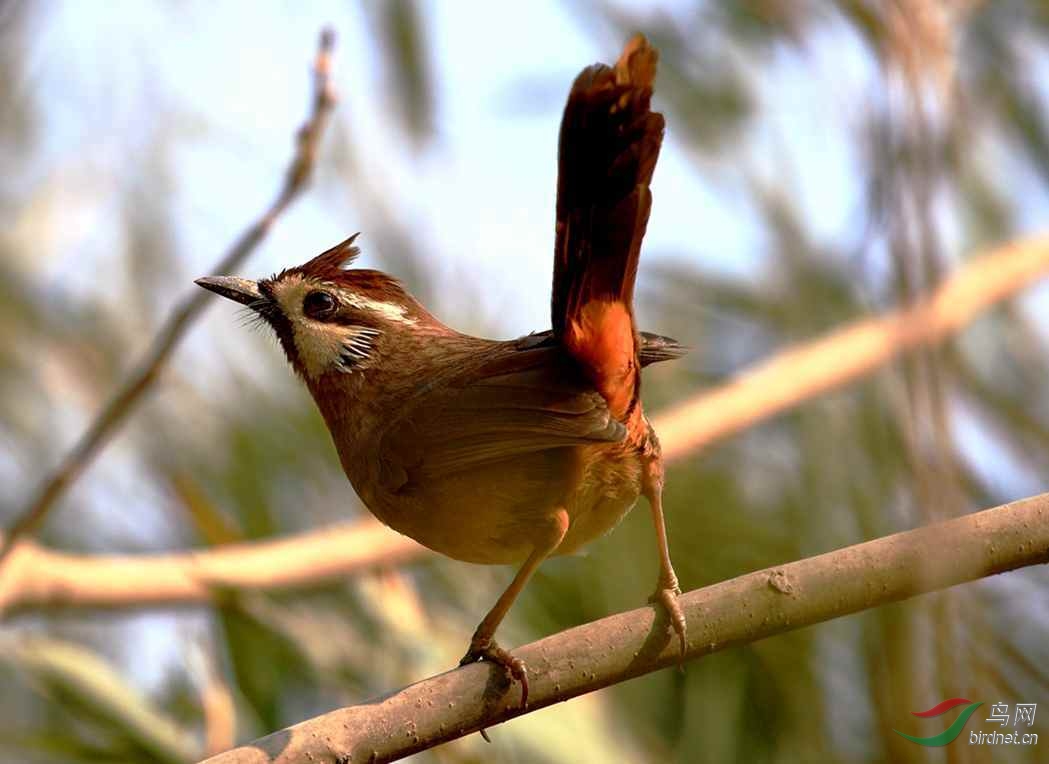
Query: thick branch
(36, 577)
(189, 308)
(48, 579)
(614, 649)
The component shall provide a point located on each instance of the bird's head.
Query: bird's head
(329, 319)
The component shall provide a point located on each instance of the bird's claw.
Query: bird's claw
(490, 651)
(667, 596)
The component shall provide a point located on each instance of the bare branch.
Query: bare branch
(623, 646)
(143, 377)
(806, 371)
(37, 578)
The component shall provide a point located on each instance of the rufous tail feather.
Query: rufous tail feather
(610, 141)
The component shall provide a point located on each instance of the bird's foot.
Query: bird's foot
(667, 596)
(489, 650)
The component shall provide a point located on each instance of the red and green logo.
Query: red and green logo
(951, 732)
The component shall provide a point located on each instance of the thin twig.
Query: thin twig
(40, 578)
(623, 646)
(143, 377)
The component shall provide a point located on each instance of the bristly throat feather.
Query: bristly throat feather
(357, 348)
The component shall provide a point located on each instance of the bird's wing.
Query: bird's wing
(518, 403)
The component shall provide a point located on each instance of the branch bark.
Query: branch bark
(623, 646)
(37, 578)
(145, 375)
(813, 368)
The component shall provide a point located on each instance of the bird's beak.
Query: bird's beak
(239, 290)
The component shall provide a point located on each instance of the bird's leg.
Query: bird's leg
(483, 645)
(667, 590)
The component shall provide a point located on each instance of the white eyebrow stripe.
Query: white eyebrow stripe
(388, 310)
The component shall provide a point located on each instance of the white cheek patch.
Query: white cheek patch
(323, 346)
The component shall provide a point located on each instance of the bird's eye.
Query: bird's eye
(318, 305)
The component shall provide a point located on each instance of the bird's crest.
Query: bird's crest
(331, 261)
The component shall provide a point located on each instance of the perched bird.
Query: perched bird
(501, 452)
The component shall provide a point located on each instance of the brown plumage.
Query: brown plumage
(609, 145)
(501, 451)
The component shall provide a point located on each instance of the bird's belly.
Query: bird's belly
(500, 513)
(494, 514)
(609, 488)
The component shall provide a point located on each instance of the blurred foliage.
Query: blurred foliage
(948, 142)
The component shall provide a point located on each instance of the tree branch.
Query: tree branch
(813, 368)
(43, 578)
(623, 646)
(143, 377)
(35, 577)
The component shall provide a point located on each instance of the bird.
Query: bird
(501, 451)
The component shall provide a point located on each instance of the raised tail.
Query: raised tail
(610, 141)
